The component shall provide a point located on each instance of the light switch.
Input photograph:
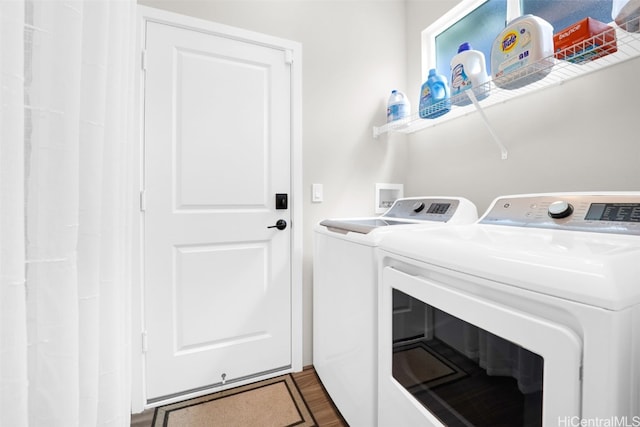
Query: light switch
(316, 193)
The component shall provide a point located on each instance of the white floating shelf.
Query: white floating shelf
(628, 47)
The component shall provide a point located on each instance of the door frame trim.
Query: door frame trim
(292, 51)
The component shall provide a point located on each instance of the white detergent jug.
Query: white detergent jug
(398, 106)
(468, 71)
(626, 13)
(522, 53)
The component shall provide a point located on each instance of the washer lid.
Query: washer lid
(597, 269)
(362, 226)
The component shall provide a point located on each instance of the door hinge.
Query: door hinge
(143, 60)
(143, 201)
(288, 57)
(145, 342)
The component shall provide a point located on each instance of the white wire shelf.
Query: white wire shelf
(627, 47)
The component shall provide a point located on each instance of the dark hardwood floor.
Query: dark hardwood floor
(312, 390)
(318, 401)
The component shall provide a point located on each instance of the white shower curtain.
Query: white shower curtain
(65, 133)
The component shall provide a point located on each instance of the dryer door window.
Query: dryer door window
(464, 374)
(455, 358)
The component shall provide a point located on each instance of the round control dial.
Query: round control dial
(560, 209)
(417, 206)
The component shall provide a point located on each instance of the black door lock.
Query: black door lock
(282, 200)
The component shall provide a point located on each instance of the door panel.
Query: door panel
(216, 150)
(218, 120)
(245, 267)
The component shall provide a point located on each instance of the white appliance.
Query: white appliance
(530, 317)
(345, 296)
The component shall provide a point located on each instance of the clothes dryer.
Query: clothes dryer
(530, 317)
(345, 296)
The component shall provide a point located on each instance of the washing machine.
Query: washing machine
(528, 317)
(345, 296)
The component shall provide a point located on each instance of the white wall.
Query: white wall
(353, 56)
(579, 136)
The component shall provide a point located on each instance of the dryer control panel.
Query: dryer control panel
(616, 213)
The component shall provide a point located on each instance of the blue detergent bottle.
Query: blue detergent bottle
(435, 96)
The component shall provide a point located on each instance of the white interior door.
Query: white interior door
(217, 280)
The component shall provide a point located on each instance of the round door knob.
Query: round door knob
(560, 209)
(418, 206)
(281, 224)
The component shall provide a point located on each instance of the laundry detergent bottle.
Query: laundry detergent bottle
(626, 13)
(398, 106)
(468, 71)
(522, 53)
(435, 96)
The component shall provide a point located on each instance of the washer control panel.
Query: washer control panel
(617, 213)
(423, 209)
